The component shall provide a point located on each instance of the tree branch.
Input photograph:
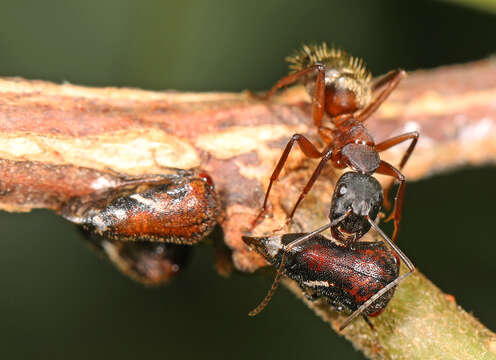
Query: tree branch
(60, 141)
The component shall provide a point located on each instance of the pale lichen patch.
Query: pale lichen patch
(127, 151)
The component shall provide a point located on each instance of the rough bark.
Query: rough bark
(61, 141)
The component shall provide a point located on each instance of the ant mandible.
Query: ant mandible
(342, 89)
(355, 205)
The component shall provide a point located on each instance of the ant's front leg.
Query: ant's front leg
(388, 169)
(308, 149)
(327, 154)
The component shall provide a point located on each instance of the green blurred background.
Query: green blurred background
(58, 300)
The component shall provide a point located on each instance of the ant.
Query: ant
(356, 203)
(362, 279)
(342, 89)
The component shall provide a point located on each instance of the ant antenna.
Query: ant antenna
(272, 290)
(389, 286)
(369, 302)
(393, 246)
(280, 269)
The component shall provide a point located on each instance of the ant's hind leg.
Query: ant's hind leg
(388, 169)
(318, 97)
(391, 81)
(290, 79)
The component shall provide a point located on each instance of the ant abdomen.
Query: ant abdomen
(347, 81)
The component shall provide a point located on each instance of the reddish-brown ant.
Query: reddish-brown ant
(342, 89)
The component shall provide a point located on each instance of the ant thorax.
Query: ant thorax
(347, 81)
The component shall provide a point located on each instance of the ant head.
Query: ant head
(360, 195)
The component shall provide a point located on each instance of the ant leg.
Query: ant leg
(376, 347)
(387, 78)
(385, 289)
(376, 296)
(318, 99)
(327, 155)
(308, 149)
(389, 143)
(391, 80)
(326, 134)
(289, 79)
(388, 169)
(393, 246)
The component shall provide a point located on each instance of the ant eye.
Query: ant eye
(342, 190)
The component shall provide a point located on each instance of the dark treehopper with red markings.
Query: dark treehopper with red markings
(361, 279)
(355, 205)
(144, 226)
